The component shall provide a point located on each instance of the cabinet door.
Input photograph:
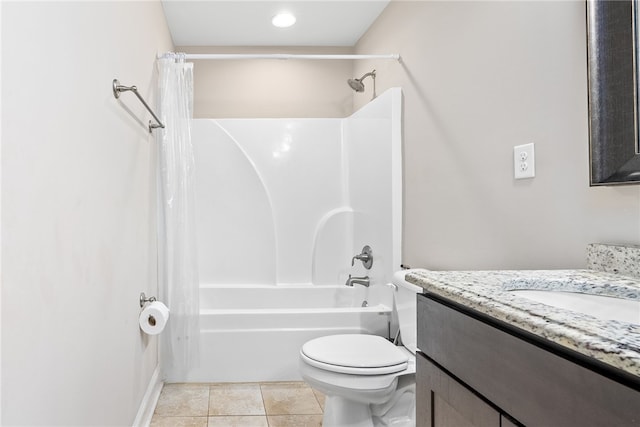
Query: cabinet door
(441, 401)
(506, 422)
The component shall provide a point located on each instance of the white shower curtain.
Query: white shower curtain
(178, 273)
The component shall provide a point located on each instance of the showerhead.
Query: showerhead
(358, 86)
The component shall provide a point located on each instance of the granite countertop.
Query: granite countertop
(613, 342)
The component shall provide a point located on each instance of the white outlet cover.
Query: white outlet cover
(524, 165)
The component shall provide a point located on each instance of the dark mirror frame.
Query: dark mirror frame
(613, 85)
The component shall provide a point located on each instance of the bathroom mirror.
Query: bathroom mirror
(612, 43)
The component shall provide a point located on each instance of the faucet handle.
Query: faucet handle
(366, 257)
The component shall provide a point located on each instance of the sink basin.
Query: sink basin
(598, 306)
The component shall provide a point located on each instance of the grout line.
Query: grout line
(317, 400)
(208, 403)
(263, 405)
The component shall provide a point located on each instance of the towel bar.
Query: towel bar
(118, 88)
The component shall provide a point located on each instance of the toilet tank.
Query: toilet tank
(405, 302)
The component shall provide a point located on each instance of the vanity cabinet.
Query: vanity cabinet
(446, 402)
(473, 370)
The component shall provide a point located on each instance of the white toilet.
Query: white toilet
(367, 380)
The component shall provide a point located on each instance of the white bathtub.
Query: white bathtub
(254, 333)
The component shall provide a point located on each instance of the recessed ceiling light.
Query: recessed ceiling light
(283, 20)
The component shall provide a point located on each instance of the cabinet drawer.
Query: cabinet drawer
(535, 386)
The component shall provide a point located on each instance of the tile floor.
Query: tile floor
(274, 404)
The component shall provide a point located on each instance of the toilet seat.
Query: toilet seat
(354, 354)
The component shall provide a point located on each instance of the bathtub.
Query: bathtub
(254, 332)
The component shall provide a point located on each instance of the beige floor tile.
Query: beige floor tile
(320, 397)
(289, 399)
(159, 421)
(235, 399)
(186, 400)
(295, 420)
(238, 421)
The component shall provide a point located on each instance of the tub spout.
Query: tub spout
(364, 281)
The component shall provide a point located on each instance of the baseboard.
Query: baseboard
(149, 401)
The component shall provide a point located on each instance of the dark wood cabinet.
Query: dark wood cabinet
(445, 402)
(506, 422)
(475, 373)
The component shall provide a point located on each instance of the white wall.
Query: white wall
(78, 210)
(373, 150)
(262, 187)
(478, 78)
(0, 216)
(271, 88)
(291, 201)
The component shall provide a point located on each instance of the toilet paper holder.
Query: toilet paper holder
(144, 299)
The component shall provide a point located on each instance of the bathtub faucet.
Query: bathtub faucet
(364, 281)
(366, 256)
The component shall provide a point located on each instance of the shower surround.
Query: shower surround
(282, 206)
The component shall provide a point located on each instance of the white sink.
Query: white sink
(601, 307)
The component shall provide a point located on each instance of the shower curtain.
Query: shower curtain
(178, 272)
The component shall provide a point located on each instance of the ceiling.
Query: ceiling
(248, 23)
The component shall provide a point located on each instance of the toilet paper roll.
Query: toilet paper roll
(153, 318)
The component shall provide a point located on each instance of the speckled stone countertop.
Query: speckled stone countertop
(613, 342)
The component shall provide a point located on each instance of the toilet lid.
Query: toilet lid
(354, 353)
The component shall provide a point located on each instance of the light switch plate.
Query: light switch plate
(524, 162)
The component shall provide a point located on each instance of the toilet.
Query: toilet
(367, 380)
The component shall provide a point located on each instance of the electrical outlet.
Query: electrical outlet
(524, 165)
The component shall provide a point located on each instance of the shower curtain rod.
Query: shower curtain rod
(274, 56)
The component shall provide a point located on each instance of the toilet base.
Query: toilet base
(341, 412)
(399, 411)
